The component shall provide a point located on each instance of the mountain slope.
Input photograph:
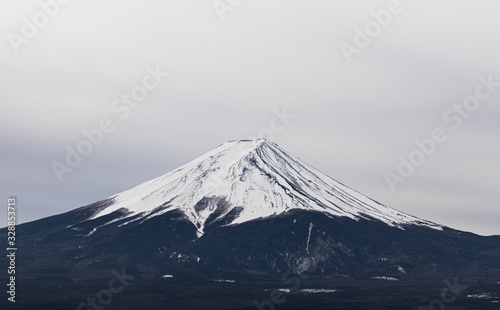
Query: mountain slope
(240, 181)
(239, 224)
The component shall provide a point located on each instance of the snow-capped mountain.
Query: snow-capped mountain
(255, 179)
(247, 226)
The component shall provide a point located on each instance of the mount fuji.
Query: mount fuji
(241, 181)
(249, 226)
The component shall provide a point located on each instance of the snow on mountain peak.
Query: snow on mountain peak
(243, 180)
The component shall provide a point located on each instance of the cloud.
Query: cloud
(226, 77)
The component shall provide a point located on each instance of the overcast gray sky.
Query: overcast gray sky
(360, 97)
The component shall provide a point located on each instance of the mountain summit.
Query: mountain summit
(244, 180)
(248, 226)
